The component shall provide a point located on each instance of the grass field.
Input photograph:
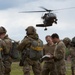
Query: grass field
(17, 70)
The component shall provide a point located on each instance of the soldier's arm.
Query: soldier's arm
(8, 43)
(5, 49)
(72, 52)
(60, 54)
(23, 44)
(43, 49)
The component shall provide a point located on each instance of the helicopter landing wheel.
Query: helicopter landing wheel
(45, 28)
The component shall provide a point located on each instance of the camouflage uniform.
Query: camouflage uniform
(67, 42)
(7, 58)
(59, 55)
(49, 65)
(26, 43)
(2, 48)
(5, 52)
(72, 54)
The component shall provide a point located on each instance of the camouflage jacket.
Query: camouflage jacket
(49, 49)
(8, 44)
(72, 52)
(24, 44)
(59, 52)
(3, 48)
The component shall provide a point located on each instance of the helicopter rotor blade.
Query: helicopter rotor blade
(46, 9)
(31, 11)
(64, 8)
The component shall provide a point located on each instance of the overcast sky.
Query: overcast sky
(16, 22)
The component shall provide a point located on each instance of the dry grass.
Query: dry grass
(17, 70)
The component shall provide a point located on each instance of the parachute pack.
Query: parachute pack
(14, 52)
(36, 49)
(34, 52)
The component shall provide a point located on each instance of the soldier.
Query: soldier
(67, 42)
(31, 48)
(2, 49)
(49, 65)
(59, 55)
(72, 54)
(6, 53)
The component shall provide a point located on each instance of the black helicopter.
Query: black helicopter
(49, 17)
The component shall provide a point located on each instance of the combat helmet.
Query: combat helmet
(73, 40)
(2, 30)
(67, 41)
(30, 30)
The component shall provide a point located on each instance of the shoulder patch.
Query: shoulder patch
(1, 49)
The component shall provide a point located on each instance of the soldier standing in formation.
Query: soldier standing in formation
(70, 45)
(33, 48)
(67, 42)
(7, 57)
(49, 65)
(3, 48)
(6, 53)
(72, 54)
(59, 55)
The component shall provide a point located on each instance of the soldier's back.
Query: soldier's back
(8, 44)
(2, 47)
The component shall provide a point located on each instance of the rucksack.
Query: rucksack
(14, 51)
(8, 45)
(34, 52)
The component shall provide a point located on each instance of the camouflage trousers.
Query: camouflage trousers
(61, 67)
(48, 69)
(1, 68)
(35, 67)
(73, 62)
(7, 65)
(73, 65)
